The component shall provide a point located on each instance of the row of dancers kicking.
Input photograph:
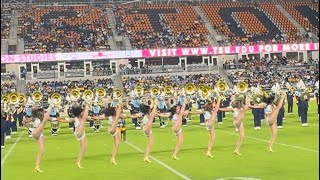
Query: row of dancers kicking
(239, 105)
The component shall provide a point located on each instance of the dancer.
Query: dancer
(239, 108)
(80, 116)
(271, 110)
(176, 113)
(40, 118)
(211, 112)
(148, 116)
(114, 114)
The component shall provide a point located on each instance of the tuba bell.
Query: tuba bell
(222, 86)
(56, 99)
(205, 93)
(168, 90)
(37, 96)
(87, 95)
(101, 92)
(155, 91)
(75, 94)
(190, 88)
(117, 93)
(5, 99)
(14, 98)
(138, 91)
(22, 98)
(242, 87)
(148, 101)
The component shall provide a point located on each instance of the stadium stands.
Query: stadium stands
(64, 29)
(161, 26)
(6, 14)
(305, 13)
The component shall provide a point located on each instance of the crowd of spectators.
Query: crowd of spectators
(267, 78)
(6, 14)
(64, 29)
(190, 32)
(49, 29)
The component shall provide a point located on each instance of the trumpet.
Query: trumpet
(138, 91)
(155, 91)
(75, 94)
(37, 96)
(22, 98)
(101, 92)
(56, 99)
(190, 88)
(242, 87)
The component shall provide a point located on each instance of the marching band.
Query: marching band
(145, 105)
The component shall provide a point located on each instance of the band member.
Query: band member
(81, 115)
(221, 114)
(303, 105)
(20, 115)
(256, 118)
(290, 95)
(135, 108)
(148, 116)
(201, 103)
(122, 129)
(316, 94)
(280, 117)
(14, 118)
(95, 113)
(40, 118)
(27, 122)
(55, 126)
(239, 107)
(162, 109)
(71, 116)
(3, 127)
(176, 113)
(8, 109)
(272, 110)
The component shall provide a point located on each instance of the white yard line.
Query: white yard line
(263, 140)
(160, 162)
(10, 150)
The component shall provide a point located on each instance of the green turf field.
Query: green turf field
(296, 156)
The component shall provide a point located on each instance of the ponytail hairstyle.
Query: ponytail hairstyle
(172, 111)
(38, 113)
(145, 109)
(76, 111)
(110, 111)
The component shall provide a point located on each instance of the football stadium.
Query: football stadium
(176, 89)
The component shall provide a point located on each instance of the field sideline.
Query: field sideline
(296, 156)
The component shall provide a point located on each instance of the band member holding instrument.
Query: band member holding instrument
(201, 103)
(55, 126)
(40, 118)
(290, 95)
(148, 116)
(271, 110)
(27, 121)
(239, 107)
(95, 113)
(176, 113)
(162, 109)
(20, 115)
